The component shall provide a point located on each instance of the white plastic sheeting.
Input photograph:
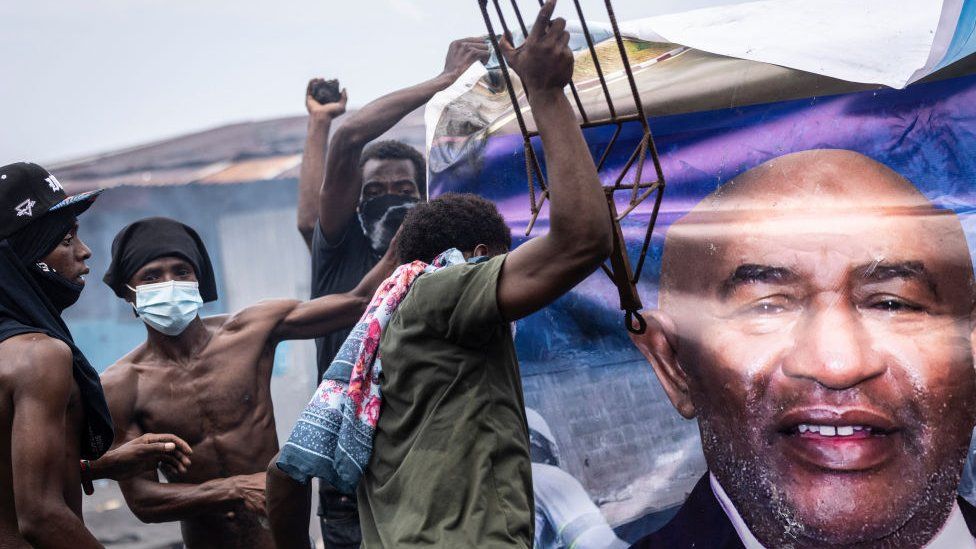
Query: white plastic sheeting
(889, 42)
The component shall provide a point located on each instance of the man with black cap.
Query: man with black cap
(206, 379)
(53, 415)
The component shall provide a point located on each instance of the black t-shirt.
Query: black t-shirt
(337, 269)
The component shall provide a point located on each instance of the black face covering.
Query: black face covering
(62, 292)
(31, 301)
(34, 242)
(381, 216)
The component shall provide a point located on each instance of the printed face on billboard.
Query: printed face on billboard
(815, 316)
(811, 264)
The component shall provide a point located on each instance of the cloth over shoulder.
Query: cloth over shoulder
(333, 438)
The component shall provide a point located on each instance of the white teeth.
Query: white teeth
(832, 430)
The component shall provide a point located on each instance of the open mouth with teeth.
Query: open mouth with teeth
(806, 430)
(843, 441)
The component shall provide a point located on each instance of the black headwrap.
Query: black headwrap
(26, 307)
(152, 238)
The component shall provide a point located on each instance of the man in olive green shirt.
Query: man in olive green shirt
(450, 464)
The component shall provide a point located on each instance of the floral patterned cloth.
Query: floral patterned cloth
(333, 438)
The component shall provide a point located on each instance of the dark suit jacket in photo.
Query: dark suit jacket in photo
(702, 524)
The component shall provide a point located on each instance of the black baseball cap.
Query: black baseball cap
(28, 191)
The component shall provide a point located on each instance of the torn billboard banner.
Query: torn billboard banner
(714, 118)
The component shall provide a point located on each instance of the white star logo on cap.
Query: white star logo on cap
(25, 208)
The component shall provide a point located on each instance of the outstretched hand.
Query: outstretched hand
(544, 61)
(327, 110)
(145, 453)
(463, 53)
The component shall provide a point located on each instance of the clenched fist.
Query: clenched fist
(544, 61)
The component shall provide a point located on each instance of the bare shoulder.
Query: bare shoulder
(122, 373)
(216, 321)
(32, 350)
(120, 383)
(126, 368)
(35, 359)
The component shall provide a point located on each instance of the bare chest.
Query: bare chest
(212, 396)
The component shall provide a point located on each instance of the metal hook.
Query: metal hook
(629, 317)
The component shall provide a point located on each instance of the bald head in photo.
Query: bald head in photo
(816, 316)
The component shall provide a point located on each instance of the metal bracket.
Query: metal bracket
(631, 178)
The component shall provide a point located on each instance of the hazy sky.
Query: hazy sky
(91, 76)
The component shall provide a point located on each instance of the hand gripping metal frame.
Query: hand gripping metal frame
(631, 177)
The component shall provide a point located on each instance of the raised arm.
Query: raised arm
(310, 177)
(43, 381)
(343, 179)
(579, 236)
(317, 317)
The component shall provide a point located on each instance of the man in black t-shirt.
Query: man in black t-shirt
(351, 202)
(396, 175)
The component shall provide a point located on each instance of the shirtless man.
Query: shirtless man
(52, 411)
(207, 380)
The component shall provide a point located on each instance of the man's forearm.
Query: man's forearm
(153, 501)
(578, 211)
(312, 173)
(377, 117)
(57, 529)
(381, 271)
(103, 467)
(343, 181)
(288, 507)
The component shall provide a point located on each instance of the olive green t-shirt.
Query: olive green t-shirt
(450, 464)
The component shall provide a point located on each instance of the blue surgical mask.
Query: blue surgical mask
(168, 307)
